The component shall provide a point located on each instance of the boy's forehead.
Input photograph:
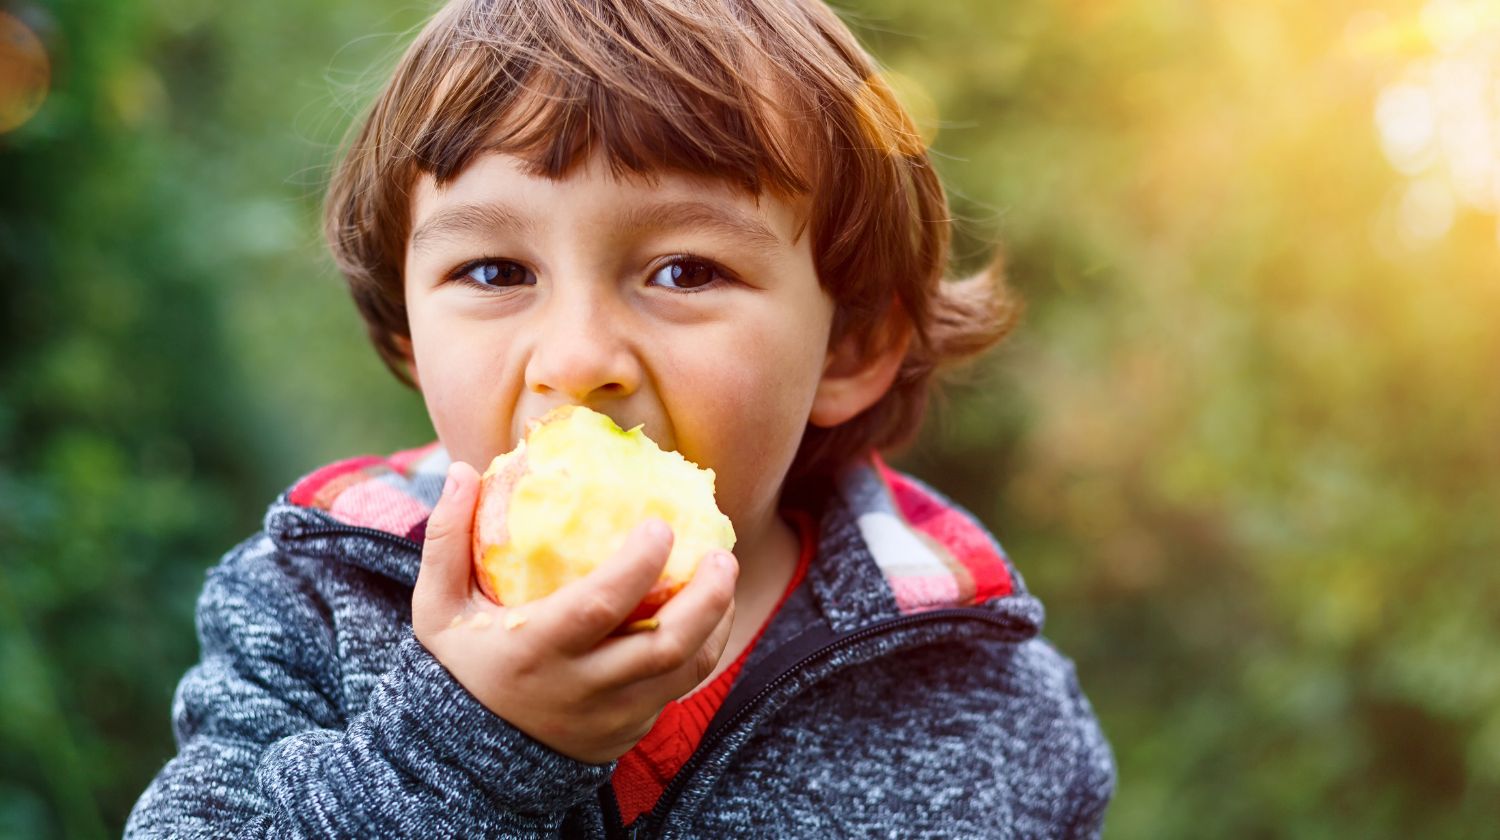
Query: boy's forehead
(501, 190)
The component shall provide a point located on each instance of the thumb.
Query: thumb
(445, 580)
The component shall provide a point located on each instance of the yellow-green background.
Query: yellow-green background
(1246, 443)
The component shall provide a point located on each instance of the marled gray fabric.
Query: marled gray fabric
(315, 713)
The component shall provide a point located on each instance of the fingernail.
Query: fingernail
(658, 530)
(450, 483)
(726, 562)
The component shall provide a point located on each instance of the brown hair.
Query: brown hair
(772, 94)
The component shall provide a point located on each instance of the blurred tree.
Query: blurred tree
(145, 209)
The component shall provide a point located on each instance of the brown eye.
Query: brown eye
(498, 273)
(687, 274)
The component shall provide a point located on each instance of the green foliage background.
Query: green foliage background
(1246, 444)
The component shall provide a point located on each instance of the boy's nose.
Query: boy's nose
(581, 354)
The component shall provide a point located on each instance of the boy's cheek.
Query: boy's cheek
(750, 465)
(462, 433)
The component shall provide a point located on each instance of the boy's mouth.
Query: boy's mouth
(656, 431)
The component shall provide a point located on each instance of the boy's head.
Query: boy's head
(707, 216)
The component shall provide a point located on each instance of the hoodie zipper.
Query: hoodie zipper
(359, 531)
(656, 819)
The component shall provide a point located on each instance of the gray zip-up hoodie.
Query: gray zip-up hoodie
(901, 691)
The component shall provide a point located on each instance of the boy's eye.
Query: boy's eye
(497, 273)
(686, 274)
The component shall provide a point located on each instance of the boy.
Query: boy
(709, 217)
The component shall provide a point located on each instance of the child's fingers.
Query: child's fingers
(577, 616)
(692, 630)
(445, 580)
(709, 655)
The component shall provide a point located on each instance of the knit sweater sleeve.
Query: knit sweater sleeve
(265, 750)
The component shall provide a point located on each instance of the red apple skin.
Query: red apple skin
(660, 593)
(489, 517)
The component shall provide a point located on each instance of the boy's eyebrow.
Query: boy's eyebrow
(702, 215)
(468, 218)
(479, 218)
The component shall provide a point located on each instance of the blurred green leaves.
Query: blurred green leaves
(1244, 444)
(144, 207)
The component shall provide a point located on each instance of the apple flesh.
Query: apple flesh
(565, 499)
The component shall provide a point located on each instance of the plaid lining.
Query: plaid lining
(932, 554)
(393, 494)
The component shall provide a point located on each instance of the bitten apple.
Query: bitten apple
(564, 500)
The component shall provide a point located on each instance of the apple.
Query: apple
(565, 499)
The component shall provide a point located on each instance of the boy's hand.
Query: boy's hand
(550, 667)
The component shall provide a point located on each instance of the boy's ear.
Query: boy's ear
(855, 377)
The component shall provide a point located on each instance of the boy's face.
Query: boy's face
(679, 303)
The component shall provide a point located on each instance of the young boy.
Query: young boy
(709, 217)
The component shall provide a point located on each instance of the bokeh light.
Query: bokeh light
(1439, 123)
(25, 73)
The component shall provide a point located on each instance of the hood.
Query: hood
(889, 545)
